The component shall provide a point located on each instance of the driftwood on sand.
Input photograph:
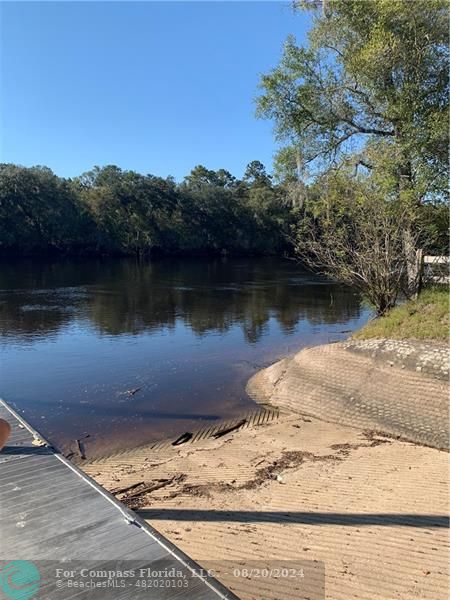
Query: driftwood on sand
(151, 487)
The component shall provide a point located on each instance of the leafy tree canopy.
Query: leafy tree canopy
(375, 74)
(110, 210)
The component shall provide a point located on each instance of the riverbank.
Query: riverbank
(143, 351)
(427, 317)
(334, 487)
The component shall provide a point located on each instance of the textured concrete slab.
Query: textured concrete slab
(335, 384)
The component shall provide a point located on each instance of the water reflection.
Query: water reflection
(128, 297)
(189, 332)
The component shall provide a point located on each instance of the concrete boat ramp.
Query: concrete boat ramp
(53, 516)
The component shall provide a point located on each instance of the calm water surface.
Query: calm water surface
(77, 334)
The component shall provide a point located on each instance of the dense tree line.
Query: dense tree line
(110, 211)
(113, 211)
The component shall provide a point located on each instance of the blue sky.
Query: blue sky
(153, 86)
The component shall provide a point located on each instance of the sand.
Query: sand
(302, 492)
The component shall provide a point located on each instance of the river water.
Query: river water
(76, 335)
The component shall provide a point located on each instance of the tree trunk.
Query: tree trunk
(419, 260)
(411, 252)
(413, 258)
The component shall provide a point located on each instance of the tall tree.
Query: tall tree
(39, 211)
(131, 209)
(372, 83)
(256, 175)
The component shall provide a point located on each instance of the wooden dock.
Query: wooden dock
(52, 511)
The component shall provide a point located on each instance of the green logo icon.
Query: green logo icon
(19, 580)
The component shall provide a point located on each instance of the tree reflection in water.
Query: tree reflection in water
(184, 329)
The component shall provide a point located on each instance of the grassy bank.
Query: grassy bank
(424, 318)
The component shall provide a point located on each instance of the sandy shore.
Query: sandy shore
(369, 508)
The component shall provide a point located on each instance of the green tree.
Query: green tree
(353, 233)
(132, 210)
(255, 174)
(39, 211)
(372, 83)
(199, 177)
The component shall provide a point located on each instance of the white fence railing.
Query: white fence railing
(436, 269)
